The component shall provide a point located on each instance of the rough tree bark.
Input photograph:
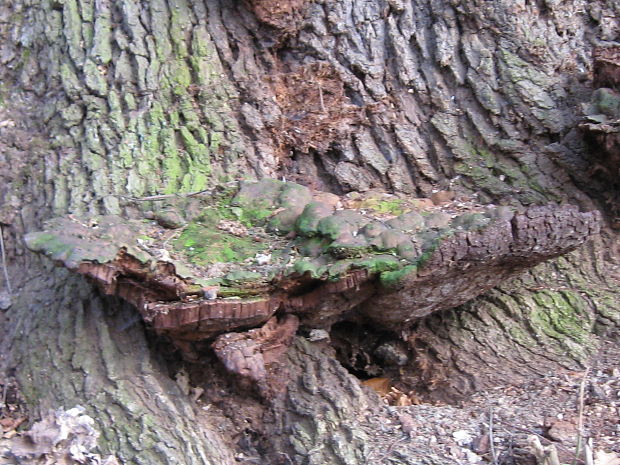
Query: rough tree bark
(102, 102)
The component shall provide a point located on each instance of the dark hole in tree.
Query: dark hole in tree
(368, 352)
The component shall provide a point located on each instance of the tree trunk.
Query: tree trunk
(104, 102)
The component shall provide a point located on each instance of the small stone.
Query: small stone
(5, 300)
(348, 246)
(462, 437)
(408, 424)
(196, 392)
(261, 194)
(210, 292)
(263, 259)
(481, 444)
(169, 219)
(472, 457)
(563, 431)
(393, 352)
(318, 335)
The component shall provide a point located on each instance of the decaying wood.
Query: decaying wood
(606, 67)
(463, 265)
(255, 355)
(602, 127)
(471, 263)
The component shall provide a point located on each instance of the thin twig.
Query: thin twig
(582, 389)
(179, 195)
(491, 442)
(4, 392)
(587, 452)
(321, 98)
(6, 272)
(165, 196)
(390, 449)
(545, 455)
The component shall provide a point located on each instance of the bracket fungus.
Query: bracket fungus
(241, 257)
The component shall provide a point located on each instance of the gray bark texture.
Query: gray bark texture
(103, 102)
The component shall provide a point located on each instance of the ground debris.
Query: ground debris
(461, 434)
(62, 437)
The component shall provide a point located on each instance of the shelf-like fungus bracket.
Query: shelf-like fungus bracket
(273, 248)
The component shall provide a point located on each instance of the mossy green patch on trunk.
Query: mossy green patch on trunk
(393, 279)
(562, 315)
(204, 244)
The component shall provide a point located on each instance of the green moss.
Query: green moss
(197, 175)
(488, 173)
(215, 141)
(343, 251)
(40, 240)
(393, 279)
(102, 43)
(379, 264)
(199, 180)
(308, 222)
(340, 268)
(521, 336)
(204, 245)
(70, 82)
(189, 114)
(72, 23)
(384, 206)
(607, 102)
(340, 223)
(173, 169)
(330, 227)
(562, 315)
(181, 79)
(314, 267)
(232, 291)
(240, 277)
(179, 23)
(251, 216)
